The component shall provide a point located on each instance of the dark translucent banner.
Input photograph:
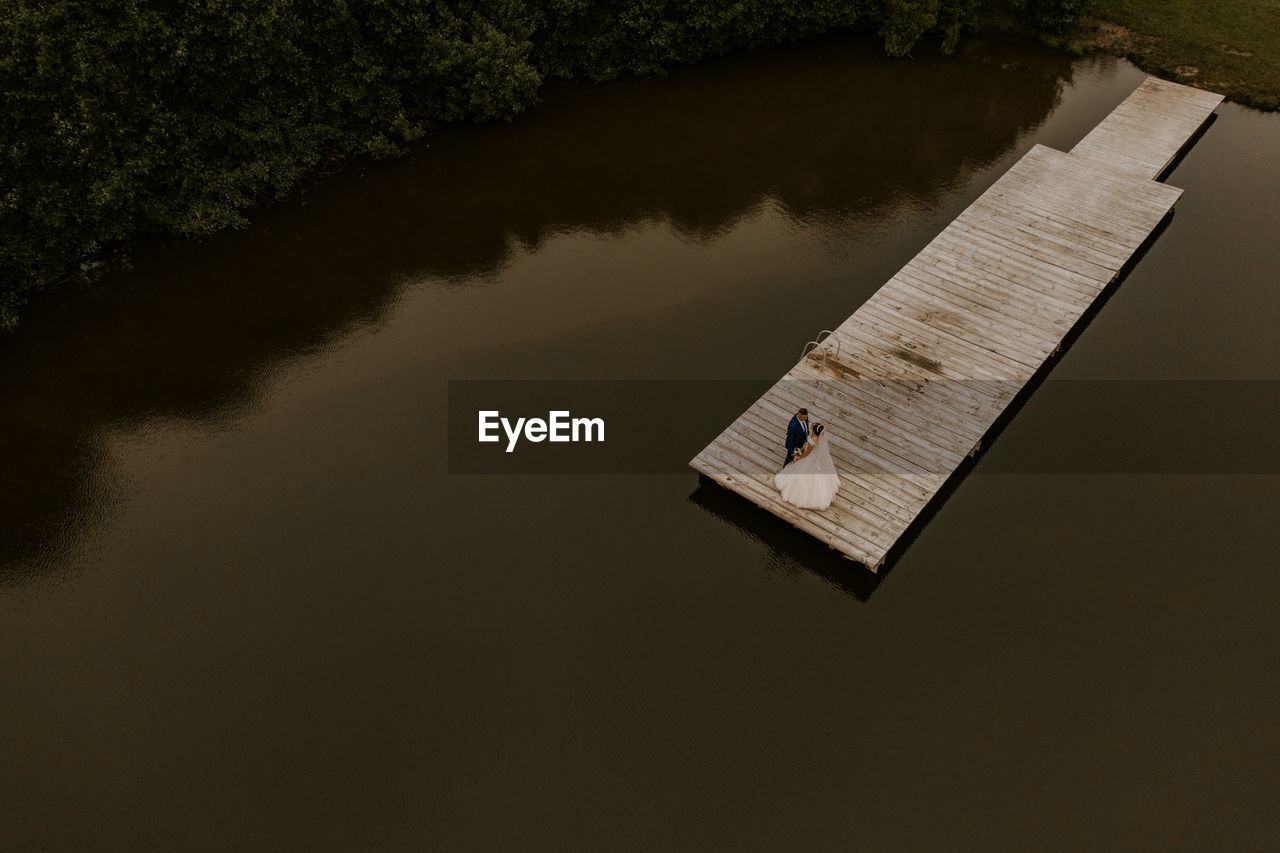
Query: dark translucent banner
(1058, 427)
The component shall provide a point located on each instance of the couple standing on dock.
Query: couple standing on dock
(808, 477)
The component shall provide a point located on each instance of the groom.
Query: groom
(797, 434)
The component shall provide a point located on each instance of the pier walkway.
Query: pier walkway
(909, 385)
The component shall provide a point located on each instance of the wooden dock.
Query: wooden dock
(909, 385)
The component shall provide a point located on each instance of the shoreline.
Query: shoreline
(1161, 55)
(1227, 58)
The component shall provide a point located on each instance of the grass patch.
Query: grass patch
(1227, 46)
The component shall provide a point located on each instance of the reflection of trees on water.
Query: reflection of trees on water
(830, 130)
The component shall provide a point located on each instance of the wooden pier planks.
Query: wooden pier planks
(1144, 134)
(910, 383)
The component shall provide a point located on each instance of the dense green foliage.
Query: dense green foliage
(1051, 16)
(125, 117)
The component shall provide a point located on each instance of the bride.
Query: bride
(810, 481)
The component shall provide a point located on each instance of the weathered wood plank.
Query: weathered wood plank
(906, 432)
(1145, 132)
(914, 379)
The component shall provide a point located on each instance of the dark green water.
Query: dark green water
(243, 606)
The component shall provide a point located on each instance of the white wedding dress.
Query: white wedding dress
(810, 482)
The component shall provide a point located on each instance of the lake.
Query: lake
(243, 604)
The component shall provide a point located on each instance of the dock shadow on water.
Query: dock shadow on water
(193, 331)
(790, 552)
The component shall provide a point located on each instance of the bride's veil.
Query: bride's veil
(823, 463)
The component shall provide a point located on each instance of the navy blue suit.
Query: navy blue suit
(797, 435)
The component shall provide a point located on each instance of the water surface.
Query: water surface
(243, 605)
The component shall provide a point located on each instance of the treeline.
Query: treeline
(125, 117)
